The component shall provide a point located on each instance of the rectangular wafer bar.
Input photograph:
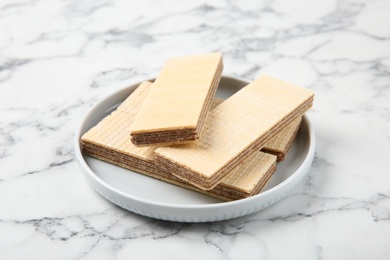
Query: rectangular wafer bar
(281, 143)
(234, 129)
(176, 106)
(109, 141)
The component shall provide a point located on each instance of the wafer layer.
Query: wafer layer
(234, 129)
(281, 143)
(109, 141)
(176, 106)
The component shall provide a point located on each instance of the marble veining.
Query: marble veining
(58, 58)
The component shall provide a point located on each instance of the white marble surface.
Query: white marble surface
(57, 58)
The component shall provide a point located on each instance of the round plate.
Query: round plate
(153, 198)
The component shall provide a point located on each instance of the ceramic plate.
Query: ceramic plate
(153, 198)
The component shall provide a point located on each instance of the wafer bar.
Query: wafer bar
(235, 129)
(280, 144)
(108, 141)
(175, 109)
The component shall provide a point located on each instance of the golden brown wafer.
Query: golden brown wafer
(281, 143)
(234, 129)
(108, 141)
(176, 107)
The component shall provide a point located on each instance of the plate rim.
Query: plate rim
(185, 207)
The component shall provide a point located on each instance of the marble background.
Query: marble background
(57, 58)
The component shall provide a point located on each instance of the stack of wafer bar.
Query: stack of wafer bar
(109, 141)
(235, 129)
(178, 102)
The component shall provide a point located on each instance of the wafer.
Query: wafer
(176, 107)
(280, 144)
(234, 129)
(109, 141)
